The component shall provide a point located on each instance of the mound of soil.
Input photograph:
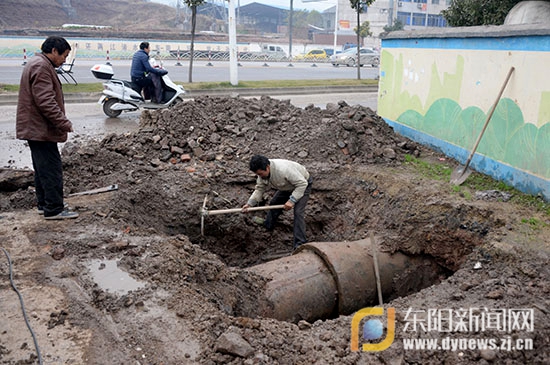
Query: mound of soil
(193, 299)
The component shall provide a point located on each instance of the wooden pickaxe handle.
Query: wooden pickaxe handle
(238, 210)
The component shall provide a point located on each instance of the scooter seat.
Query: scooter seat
(133, 86)
(129, 84)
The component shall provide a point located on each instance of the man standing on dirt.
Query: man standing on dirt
(293, 184)
(42, 122)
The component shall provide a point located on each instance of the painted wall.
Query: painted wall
(437, 87)
(12, 46)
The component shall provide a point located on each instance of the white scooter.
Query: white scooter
(120, 95)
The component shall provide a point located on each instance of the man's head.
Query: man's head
(144, 46)
(260, 166)
(56, 49)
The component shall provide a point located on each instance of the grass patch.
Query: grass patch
(534, 223)
(82, 88)
(480, 182)
(477, 182)
(435, 171)
(67, 88)
(5, 88)
(97, 87)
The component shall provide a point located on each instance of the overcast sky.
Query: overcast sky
(297, 4)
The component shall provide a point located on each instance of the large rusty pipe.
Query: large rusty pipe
(299, 286)
(325, 279)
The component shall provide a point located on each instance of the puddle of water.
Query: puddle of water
(110, 278)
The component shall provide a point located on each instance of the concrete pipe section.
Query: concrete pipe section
(325, 279)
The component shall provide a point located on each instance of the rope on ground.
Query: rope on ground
(23, 307)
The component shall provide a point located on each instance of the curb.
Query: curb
(11, 98)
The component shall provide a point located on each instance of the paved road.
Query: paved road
(90, 122)
(10, 71)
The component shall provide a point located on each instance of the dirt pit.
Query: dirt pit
(133, 281)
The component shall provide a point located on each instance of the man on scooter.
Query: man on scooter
(141, 71)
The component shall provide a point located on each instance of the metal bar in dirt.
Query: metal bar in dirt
(376, 269)
(97, 191)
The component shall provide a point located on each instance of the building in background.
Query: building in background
(420, 14)
(414, 14)
(266, 20)
(256, 18)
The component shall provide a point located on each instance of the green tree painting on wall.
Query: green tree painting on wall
(443, 118)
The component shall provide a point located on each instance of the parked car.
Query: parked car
(314, 54)
(329, 51)
(273, 52)
(348, 46)
(349, 57)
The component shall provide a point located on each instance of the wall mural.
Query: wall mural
(450, 98)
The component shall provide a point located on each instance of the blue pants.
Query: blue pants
(281, 197)
(144, 83)
(48, 176)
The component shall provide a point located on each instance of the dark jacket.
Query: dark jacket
(141, 66)
(40, 107)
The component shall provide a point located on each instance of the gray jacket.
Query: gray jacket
(284, 175)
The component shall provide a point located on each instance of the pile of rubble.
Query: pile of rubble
(232, 129)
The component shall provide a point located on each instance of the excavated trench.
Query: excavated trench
(202, 148)
(420, 242)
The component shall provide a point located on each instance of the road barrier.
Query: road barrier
(108, 61)
(178, 63)
(209, 59)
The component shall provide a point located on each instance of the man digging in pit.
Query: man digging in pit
(293, 184)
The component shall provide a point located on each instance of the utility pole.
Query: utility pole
(336, 27)
(290, 30)
(390, 16)
(233, 71)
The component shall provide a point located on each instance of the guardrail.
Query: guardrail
(183, 55)
(242, 56)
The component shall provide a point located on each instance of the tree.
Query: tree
(299, 22)
(193, 5)
(397, 25)
(360, 6)
(364, 31)
(315, 18)
(464, 13)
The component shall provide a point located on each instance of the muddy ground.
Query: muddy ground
(189, 299)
